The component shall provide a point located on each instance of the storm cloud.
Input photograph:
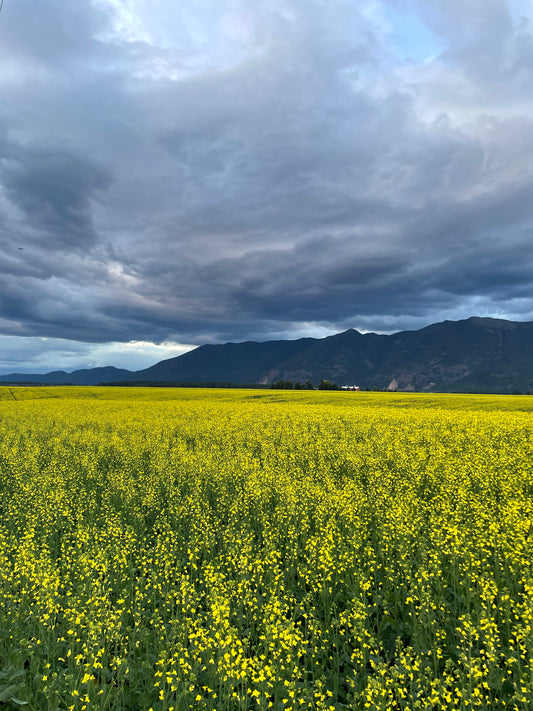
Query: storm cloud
(226, 170)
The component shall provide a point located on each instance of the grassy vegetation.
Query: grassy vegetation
(231, 550)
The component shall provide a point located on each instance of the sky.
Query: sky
(173, 174)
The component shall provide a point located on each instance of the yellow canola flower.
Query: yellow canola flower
(332, 549)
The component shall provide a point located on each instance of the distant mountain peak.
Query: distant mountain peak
(478, 354)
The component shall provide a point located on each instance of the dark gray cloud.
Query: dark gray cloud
(230, 170)
(53, 190)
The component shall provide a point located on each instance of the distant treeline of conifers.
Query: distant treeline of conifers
(278, 385)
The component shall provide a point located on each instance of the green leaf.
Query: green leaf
(7, 692)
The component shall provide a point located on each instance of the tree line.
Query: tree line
(307, 385)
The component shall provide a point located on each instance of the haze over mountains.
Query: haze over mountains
(472, 355)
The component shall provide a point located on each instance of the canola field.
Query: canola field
(173, 549)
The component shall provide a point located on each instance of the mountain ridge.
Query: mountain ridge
(477, 354)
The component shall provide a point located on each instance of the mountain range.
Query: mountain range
(471, 355)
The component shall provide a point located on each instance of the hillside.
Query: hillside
(472, 355)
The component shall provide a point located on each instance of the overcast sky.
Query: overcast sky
(176, 173)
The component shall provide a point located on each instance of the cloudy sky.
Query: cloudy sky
(176, 173)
